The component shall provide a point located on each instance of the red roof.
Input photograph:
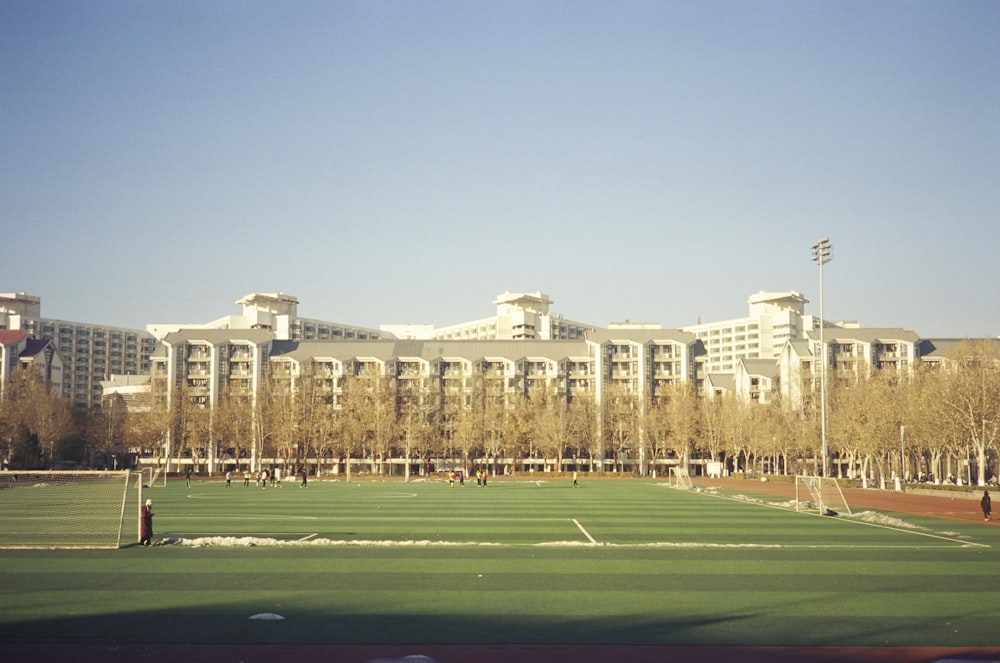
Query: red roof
(11, 336)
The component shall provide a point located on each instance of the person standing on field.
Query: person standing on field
(986, 505)
(146, 528)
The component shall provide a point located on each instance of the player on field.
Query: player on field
(146, 532)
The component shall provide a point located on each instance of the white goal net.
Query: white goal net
(68, 509)
(679, 478)
(154, 477)
(821, 494)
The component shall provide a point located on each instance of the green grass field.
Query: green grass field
(519, 562)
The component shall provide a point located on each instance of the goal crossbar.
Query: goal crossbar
(680, 478)
(822, 494)
(154, 477)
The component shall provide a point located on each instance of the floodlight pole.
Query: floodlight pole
(821, 254)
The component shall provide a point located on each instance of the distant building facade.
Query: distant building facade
(277, 313)
(853, 353)
(520, 316)
(19, 352)
(89, 353)
(770, 354)
(204, 363)
(773, 319)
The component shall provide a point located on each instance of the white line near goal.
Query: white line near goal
(585, 532)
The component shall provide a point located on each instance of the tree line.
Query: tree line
(931, 423)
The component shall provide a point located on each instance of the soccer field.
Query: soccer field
(525, 562)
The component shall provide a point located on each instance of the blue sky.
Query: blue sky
(406, 161)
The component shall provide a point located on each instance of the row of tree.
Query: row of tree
(929, 423)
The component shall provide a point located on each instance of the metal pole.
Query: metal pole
(821, 255)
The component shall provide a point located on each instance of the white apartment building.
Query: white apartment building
(520, 316)
(773, 319)
(205, 362)
(202, 363)
(756, 380)
(90, 352)
(859, 351)
(129, 391)
(521, 344)
(93, 354)
(850, 352)
(645, 361)
(278, 313)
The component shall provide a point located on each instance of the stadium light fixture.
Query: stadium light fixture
(822, 253)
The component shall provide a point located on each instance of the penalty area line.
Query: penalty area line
(585, 532)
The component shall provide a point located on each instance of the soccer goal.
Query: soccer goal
(679, 478)
(822, 494)
(154, 477)
(68, 509)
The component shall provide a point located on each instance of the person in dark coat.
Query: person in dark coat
(146, 532)
(987, 507)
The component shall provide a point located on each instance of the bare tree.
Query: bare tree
(582, 421)
(233, 422)
(970, 399)
(38, 420)
(864, 420)
(714, 427)
(620, 421)
(382, 418)
(146, 425)
(418, 416)
(489, 417)
(107, 429)
(281, 410)
(350, 428)
(367, 420)
(549, 422)
(682, 410)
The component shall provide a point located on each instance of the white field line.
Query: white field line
(846, 519)
(585, 532)
(927, 534)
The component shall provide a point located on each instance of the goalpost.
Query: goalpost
(154, 477)
(822, 494)
(679, 478)
(53, 509)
